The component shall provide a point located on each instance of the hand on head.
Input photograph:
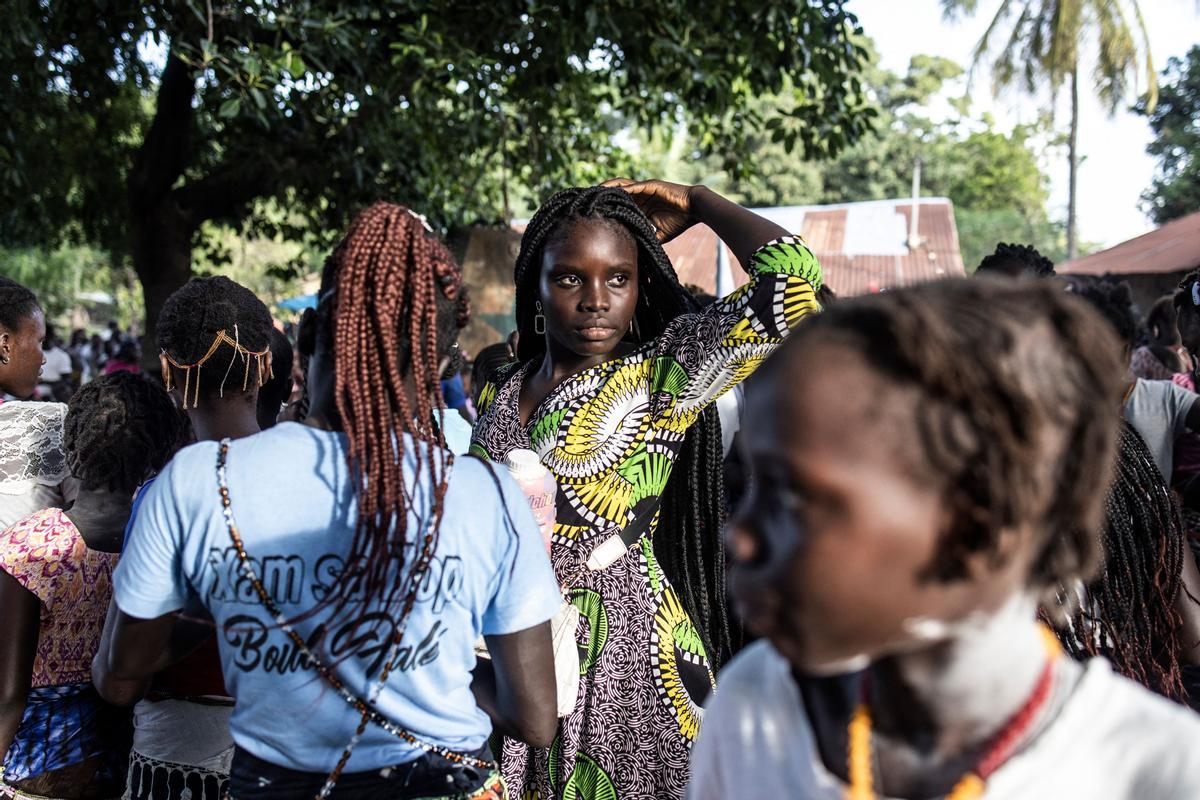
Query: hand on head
(667, 205)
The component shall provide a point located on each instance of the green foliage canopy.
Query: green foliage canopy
(325, 105)
(1175, 121)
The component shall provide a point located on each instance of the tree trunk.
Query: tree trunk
(1073, 157)
(160, 232)
(161, 239)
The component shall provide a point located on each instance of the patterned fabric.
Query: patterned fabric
(71, 731)
(47, 555)
(1144, 364)
(610, 435)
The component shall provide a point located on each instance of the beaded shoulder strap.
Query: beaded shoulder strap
(366, 707)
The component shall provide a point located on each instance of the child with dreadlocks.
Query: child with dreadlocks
(927, 467)
(350, 563)
(618, 370)
(56, 567)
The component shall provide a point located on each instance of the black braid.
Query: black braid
(1128, 614)
(16, 303)
(119, 430)
(688, 543)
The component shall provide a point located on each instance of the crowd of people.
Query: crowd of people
(934, 542)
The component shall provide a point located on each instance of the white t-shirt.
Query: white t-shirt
(1158, 410)
(294, 505)
(57, 366)
(1113, 740)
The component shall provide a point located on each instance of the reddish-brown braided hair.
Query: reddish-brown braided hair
(393, 302)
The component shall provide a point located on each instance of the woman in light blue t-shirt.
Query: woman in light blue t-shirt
(351, 563)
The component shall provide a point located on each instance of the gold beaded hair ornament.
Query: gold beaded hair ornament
(262, 359)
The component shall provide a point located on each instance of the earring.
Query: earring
(539, 321)
(3, 359)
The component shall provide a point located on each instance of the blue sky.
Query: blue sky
(1115, 169)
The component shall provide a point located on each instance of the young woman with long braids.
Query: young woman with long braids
(618, 369)
(928, 466)
(350, 563)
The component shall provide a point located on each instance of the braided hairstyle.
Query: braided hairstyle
(1014, 415)
(16, 303)
(1129, 615)
(386, 286)
(1016, 261)
(688, 543)
(120, 429)
(196, 312)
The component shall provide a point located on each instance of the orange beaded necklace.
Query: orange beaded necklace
(1001, 748)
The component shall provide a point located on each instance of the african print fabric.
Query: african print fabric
(68, 737)
(610, 435)
(47, 555)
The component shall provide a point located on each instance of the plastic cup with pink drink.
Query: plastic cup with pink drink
(539, 487)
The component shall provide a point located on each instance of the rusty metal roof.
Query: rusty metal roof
(1173, 247)
(862, 247)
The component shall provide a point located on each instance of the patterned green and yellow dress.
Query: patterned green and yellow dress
(610, 435)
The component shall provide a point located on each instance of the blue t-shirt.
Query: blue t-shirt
(294, 505)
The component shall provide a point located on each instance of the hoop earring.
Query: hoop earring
(539, 321)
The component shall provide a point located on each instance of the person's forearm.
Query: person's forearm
(741, 229)
(483, 686)
(118, 693)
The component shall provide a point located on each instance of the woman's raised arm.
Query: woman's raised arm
(675, 207)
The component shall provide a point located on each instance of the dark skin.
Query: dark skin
(20, 614)
(100, 515)
(516, 689)
(588, 285)
(834, 482)
(21, 355)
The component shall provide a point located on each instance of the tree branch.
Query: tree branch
(223, 193)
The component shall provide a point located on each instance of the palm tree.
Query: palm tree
(1045, 42)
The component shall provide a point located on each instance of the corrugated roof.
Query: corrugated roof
(1173, 247)
(862, 247)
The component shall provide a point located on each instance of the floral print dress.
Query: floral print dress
(610, 435)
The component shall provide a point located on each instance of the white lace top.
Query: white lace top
(33, 462)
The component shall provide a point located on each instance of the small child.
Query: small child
(927, 468)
